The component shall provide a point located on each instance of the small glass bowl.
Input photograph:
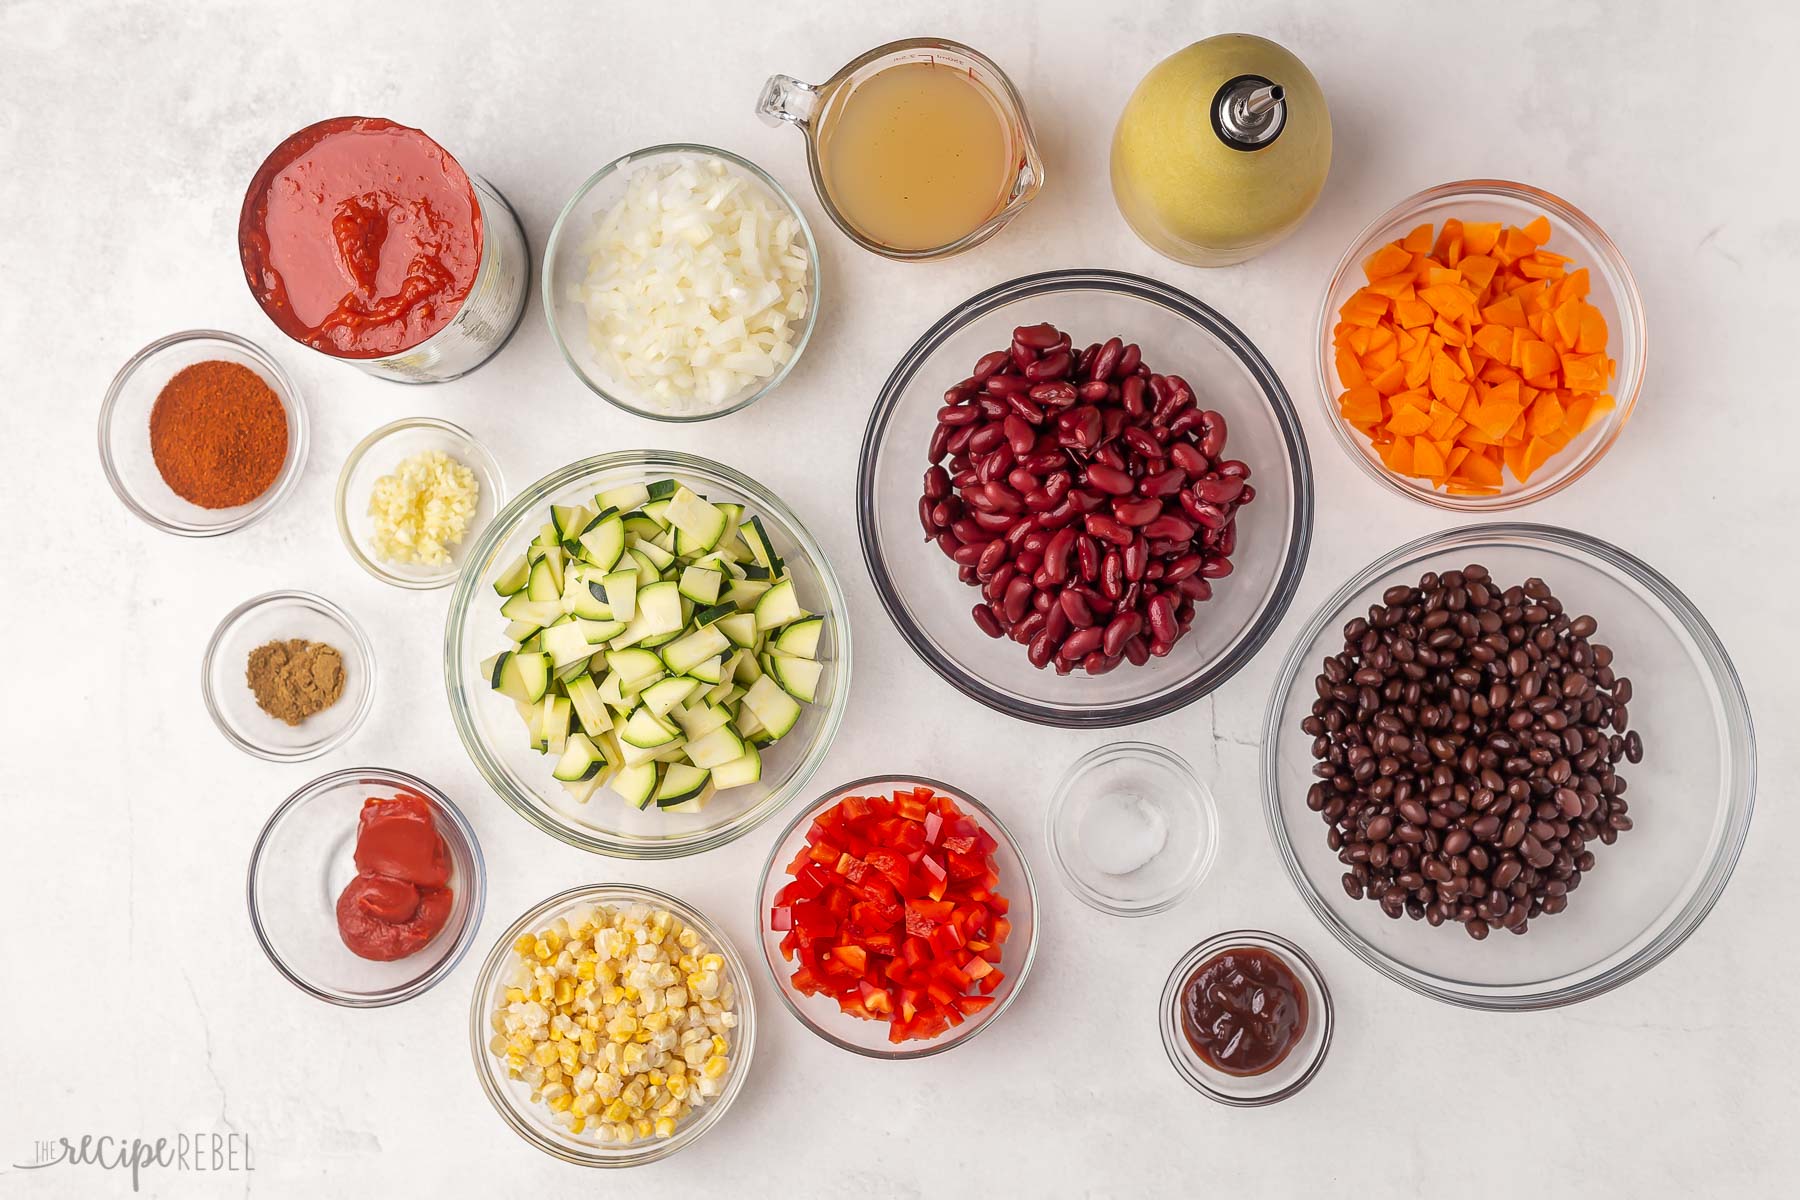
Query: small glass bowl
(1614, 293)
(378, 455)
(511, 1098)
(1691, 799)
(125, 432)
(1291, 1073)
(1168, 794)
(870, 1038)
(565, 265)
(303, 859)
(488, 722)
(278, 616)
(919, 586)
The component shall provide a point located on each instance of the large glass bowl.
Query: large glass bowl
(1179, 335)
(821, 1014)
(566, 264)
(511, 1098)
(1690, 797)
(489, 725)
(1614, 293)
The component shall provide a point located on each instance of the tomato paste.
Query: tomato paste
(359, 237)
(401, 896)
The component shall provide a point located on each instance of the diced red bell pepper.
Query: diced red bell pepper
(946, 940)
(781, 918)
(958, 845)
(824, 853)
(978, 968)
(808, 983)
(910, 807)
(993, 981)
(934, 825)
(800, 859)
(970, 1005)
(877, 1000)
(813, 879)
(837, 901)
(852, 808)
(1002, 930)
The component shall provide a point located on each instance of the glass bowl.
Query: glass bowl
(1163, 865)
(305, 856)
(1614, 293)
(870, 1038)
(565, 265)
(125, 432)
(919, 586)
(378, 455)
(278, 616)
(1285, 1077)
(1691, 801)
(489, 726)
(511, 1098)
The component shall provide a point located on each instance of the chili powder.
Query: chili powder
(218, 434)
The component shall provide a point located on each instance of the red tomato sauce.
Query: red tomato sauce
(401, 896)
(359, 237)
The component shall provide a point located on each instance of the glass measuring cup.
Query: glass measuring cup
(809, 106)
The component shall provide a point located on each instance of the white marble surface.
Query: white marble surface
(136, 1001)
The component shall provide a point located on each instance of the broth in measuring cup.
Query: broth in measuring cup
(918, 155)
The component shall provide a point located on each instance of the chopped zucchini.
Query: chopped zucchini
(514, 578)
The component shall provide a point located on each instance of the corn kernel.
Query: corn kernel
(715, 1067)
(665, 1127)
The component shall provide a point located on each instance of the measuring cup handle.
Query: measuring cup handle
(785, 98)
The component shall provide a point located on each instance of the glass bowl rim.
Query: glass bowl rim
(465, 937)
(561, 228)
(937, 1045)
(1196, 791)
(1631, 306)
(1740, 805)
(486, 466)
(1299, 464)
(461, 605)
(611, 893)
(318, 603)
(279, 382)
(1298, 960)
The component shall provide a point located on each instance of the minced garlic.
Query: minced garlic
(422, 508)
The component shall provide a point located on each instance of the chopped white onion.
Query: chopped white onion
(696, 283)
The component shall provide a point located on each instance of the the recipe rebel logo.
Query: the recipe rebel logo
(191, 1153)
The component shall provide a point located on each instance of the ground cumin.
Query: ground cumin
(294, 679)
(218, 434)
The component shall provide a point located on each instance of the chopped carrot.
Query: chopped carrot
(1472, 353)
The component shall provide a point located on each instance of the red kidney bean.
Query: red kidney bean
(1222, 490)
(966, 530)
(1098, 663)
(940, 440)
(1094, 391)
(948, 545)
(1044, 602)
(1247, 495)
(1038, 500)
(1035, 539)
(1226, 540)
(1163, 483)
(1208, 516)
(1136, 652)
(1018, 598)
(1053, 395)
(1187, 456)
(1022, 355)
(995, 587)
(1137, 512)
(985, 618)
(1019, 532)
(1087, 556)
(1131, 396)
(988, 363)
(1129, 359)
(1018, 434)
(1021, 481)
(1056, 518)
(1167, 527)
(1121, 629)
(1028, 562)
(969, 553)
(1161, 614)
(1195, 588)
(1106, 528)
(1056, 554)
(959, 438)
(1023, 408)
(1216, 568)
(992, 407)
(1135, 558)
(1001, 498)
(937, 483)
(1042, 647)
(1086, 501)
(1106, 361)
(1112, 575)
(1006, 386)
(1076, 607)
(991, 522)
(1212, 442)
(1233, 468)
(967, 575)
(985, 439)
(1086, 359)
(1054, 365)
(1037, 337)
(1110, 480)
(1180, 568)
(1080, 644)
(1108, 456)
(1056, 622)
(1141, 440)
(1042, 463)
(956, 414)
(992, 555)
